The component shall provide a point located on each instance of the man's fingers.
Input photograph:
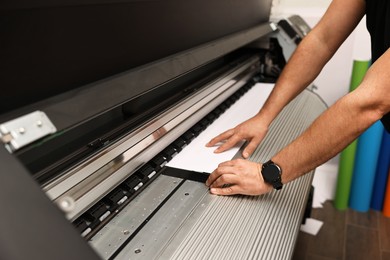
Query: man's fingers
(231, 190)
(225, 135)
(232, 141)
(224, 180)
(215, 175)
(227, 163)
(225, 168)
(250, 148)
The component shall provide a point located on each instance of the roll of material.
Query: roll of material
(347, 156)
(386, 203)
(381, 175)
(366, 159)
(344, 178)
(359, 69)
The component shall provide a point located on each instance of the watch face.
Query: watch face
(271, 173)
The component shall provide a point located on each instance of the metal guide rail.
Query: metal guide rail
(177, 218)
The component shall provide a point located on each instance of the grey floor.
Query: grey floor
(346, 235)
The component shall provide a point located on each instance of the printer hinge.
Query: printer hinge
(26, 129)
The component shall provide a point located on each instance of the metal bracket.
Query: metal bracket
(26, 129)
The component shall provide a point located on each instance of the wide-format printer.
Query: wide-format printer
(99, 99)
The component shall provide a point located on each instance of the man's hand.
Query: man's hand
(253, 131)
(238, 177)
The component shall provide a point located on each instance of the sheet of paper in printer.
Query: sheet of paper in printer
(197, 157)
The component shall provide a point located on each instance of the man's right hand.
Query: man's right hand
(253, 131)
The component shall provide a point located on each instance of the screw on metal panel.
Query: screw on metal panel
(22, 130)
(67, 204)
(6, 138)
(137, 251)
(39, 123)
(126, 232)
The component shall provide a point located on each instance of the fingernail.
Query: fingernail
(245, 155)
(213, 190)
(207, 183)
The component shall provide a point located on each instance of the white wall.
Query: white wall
(334, 80)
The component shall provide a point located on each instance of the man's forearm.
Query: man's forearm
(299, 72)
(340, 124)
(313, 53)
(327, 136)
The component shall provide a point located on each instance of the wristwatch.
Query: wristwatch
(272, 174)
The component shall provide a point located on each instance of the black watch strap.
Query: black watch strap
(272, 174)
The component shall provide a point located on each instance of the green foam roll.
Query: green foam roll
(347, 156)
(359, 69)
(344, 178)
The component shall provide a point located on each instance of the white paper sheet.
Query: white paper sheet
(324, 182)
(312, 226)
(197, 157)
